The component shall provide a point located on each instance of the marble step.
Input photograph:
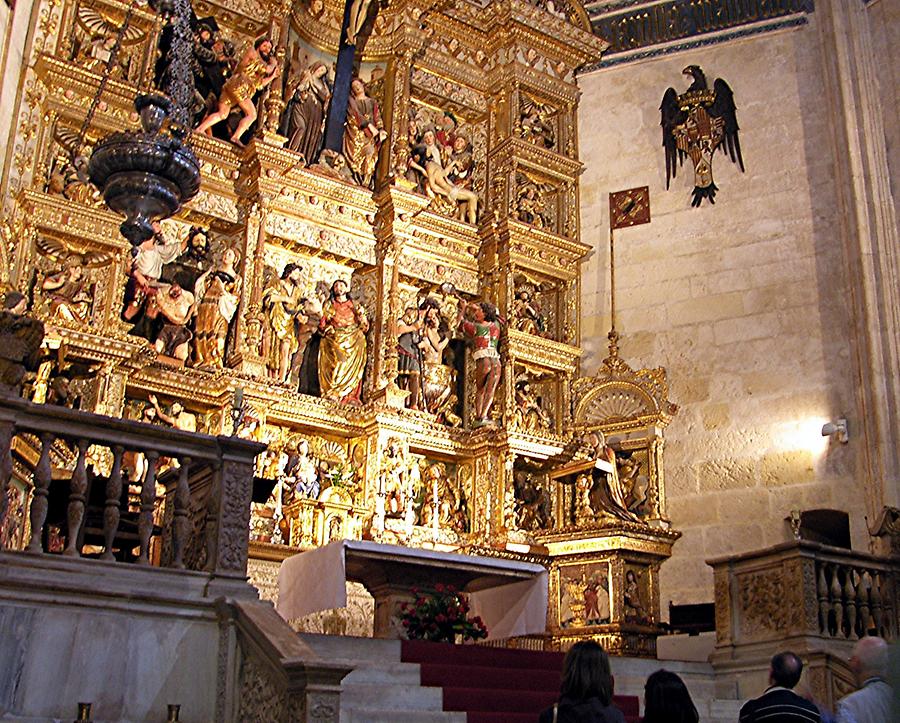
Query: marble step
(399, 716)
(349, 648)
(396, 697)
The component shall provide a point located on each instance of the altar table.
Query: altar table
(510, 596)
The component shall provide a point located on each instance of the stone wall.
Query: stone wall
(744, 302)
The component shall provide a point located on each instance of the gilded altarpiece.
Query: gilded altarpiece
(474, 198)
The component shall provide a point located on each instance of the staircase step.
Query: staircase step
(420, 651)
(487, 717)
(487, 699)
(370, 715)
(478, 676)
(397, 697)
(388, 673)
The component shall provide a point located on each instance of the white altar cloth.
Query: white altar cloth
(510, 596)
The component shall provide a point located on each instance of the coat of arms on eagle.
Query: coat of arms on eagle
(695, 124)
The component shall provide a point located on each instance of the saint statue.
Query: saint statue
(342, 351)
(409, 355)
(218, 293)
(68, 293)
(282, 304)
(256, 69)
(363, 133)
(482, 327)
(303, 122)
(608, 487)
(176, 307)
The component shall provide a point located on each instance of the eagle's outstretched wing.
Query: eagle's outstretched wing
(723, 107)
(672, 116)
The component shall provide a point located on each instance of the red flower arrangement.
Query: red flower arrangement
(440, 615)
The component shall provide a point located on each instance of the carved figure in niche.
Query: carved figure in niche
(409, 354)
(144, 280)
(534, 506)
(176, 307)
(535, 126)
(399, 479)
(529, 414)
(177, 417)
(439, 379)
(363, 133)
(530, 207)
(282, 304)
(101, 31)
(68, 293)
(20, 342)
(302, 472)
(257, 68)
(212, 61)
(218, 293)
(528, 315)
(584, 511)
(446, 132)
(634, 484)
(482, 327)
(634, 608)
(342, 350)
(303, 121)
(607, 493)
(427, 158)
(305, 364)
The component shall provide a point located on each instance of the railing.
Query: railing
(804, 589)
(200, 523)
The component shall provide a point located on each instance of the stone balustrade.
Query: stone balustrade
(199, 524)
(813, 599)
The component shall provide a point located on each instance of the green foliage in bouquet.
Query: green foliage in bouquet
(441, 616)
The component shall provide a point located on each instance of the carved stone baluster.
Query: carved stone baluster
(212, 517)
(863, 591)
(38, 514)
(181, 524)
(850, 597)
(77, 490)
(877, 609)
(148, 507)
(822, 592)
(7, 429)
(836, 602)
(113, 501)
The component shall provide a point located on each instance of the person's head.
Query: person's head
(263, 46)
(448, 121)
(229, 256)
(338, 288)
(291, 271)
(15, 302)
(74, 264)
(318, 69)
(148, 413)
(586, 673)
(175, 291)
(869, 658)
(410, 315)
(460, 143)
(428, 137)
(357, 88)
(667, 700)
(176, 409)
(198, 241)
(785, 669)
(488, 310)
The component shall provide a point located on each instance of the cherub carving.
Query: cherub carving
(68, 292)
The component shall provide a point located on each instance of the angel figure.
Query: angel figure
(68, 293)
(303, 121)
(527, 314)
(103, 33)
(218, 293)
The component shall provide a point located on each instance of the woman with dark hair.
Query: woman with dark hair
(667, 700)
(587, 688)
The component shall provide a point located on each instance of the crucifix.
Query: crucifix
(356, 13)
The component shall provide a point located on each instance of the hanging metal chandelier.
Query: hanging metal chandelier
(148, 174)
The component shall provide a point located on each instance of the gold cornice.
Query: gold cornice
(545, 353)
(628, 537)
(539, 160)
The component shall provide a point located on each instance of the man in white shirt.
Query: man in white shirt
(872, 702)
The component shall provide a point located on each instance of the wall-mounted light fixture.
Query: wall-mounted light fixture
(837, 429)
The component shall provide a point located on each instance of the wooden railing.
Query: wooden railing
(200, 523)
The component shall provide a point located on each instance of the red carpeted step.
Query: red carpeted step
(482, 676)
(483, 717)
(421, 651)
(499, 701)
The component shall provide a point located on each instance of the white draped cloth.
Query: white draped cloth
(316, 580)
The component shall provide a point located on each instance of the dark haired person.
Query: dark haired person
(780, 704)
(587, 688)
(667, 700)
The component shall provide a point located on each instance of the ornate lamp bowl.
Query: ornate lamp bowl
(145, 175)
